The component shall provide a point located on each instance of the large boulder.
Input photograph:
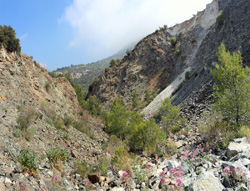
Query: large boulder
(238, 146)
(208, 182)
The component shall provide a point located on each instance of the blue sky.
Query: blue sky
(60, 33)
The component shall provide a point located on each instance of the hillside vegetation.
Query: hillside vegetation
(8, 39)
(86, 74)
(197, 139)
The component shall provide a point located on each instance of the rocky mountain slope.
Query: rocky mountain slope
(154, 63)
(33, 112)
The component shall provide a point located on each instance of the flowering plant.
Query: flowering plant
(199, 152)
(126, 180)
(235, 176)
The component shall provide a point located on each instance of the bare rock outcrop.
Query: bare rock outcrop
(154, 63)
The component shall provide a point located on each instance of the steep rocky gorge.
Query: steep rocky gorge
(154, 63)
(25, 86)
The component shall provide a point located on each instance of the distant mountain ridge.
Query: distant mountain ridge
(85, 74)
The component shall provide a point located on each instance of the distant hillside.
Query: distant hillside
(85, 74)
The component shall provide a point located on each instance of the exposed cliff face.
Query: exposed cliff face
(154, 63)
(25, 81)
(24, 84)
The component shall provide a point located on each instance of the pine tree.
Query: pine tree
(170, 116)
(232, 88)
(135, 99)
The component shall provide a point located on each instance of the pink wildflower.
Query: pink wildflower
(176, 174)
(185, 155)
(244, 173)
(56, 177)
(162, 174)
(210, 151)
(205, 153)
(125, 174)
(172, 171)
(22, 187)
(179, 182)
(226, 172)
(237, 168)
(181, 173)
(178, 167)
(162, 180)
(148, 165)
(226, 169)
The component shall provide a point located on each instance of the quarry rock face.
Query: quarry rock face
(154, 63)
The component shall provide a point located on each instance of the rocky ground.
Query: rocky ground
(189, 169)
(27, 92)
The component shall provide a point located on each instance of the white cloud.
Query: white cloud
(107, 26)
(23, 37)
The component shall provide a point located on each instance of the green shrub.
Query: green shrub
(130, 126)
(47, 86)
(82, 169)
(93, 105)
(171, 148)
(66, 136)
(55, 155)
(58, 124)
(103, 165)
(182, 63)
(135, 99)
(49, 121)
(170, 116)
(17, 132)
(220, 19)
(28, 159)
(187, 75)
(29, 133)
(121, 159)
(117, 120)
(228, 137)
(146, 136)
(68, 121)
(139, 173)
(80, 126)
(173, 41)
(244, 131)
(178, 52)
(43, 105)
(8, 39)
(147, 97)
(119, 150)
(26, 118)
(20, 107)
(212, 128)
(112, 63)
(106, 69)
